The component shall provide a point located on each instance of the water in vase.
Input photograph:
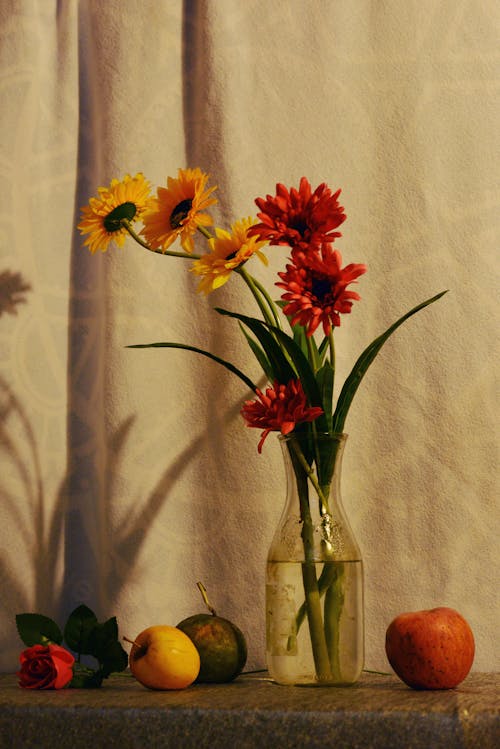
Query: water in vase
(289, 653)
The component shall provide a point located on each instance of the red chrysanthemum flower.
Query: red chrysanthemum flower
(316, 288)
(279, 409)
(299, 218)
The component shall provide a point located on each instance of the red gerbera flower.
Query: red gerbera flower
(300, 217)
(315, 287)
(279, 409)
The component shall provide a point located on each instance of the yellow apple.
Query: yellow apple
(163, 657)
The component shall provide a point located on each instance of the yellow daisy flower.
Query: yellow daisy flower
(176, 212)
(101, 218)
(228, 251)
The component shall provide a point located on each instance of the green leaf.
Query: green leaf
(80, 624)
(226, 364)
(100, 637)
(104, 646)
(359, 370)
(324, 378)
(115, 659)
(282, 370)
(307, 345)
(303, 368)
(86, 678)
(323, 348)
(36, 629)
(259, 354)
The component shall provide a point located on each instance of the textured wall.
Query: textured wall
(126, 476)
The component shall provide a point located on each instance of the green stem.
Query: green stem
(325, 580)
(314, 618)
(204, 231)
(334, 603)
(172, 253)
(309, 472)
(331, 579)
(310, 582)
(250, 282)
(331, 342)
(270, 303)
(313, 360)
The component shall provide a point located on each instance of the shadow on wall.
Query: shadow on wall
(129, 536)
(39, 541)
(36, 540)
(13, 287)
(103, 539)
(99, 551)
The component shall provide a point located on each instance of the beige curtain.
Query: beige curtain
(127, 475)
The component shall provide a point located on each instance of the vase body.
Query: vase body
(314, 577)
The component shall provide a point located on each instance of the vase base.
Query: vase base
(314, 684)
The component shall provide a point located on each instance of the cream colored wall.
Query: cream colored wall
(158, 484)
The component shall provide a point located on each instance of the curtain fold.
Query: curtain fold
(127, 475)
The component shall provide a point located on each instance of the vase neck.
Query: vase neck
(314, 461)
(313, 473)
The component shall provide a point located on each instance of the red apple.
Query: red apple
(431, 649)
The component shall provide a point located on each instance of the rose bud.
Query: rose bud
(45, 667)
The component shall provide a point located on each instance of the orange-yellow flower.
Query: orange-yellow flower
(279, 409)
(102, 217)
(177, 212)
(229, 250)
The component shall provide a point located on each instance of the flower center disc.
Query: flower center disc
(180, 212)
(113, 221)
(320, 288)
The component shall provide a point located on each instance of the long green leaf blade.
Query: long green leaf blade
(259, 354)
(307, 345)
(325, 379)
(359, 370)
(281, 367)
(226, 364)
(302, 368)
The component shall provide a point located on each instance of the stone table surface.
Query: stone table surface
(379, 711)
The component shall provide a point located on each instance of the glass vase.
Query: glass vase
(314, 579)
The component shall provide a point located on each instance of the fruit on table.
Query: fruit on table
(220, 644)
(163, 657)
(432, 649)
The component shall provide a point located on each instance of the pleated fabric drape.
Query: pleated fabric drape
(127, 475)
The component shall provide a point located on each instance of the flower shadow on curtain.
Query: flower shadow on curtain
(126, 539)
(13, 288)
(101, 548)
(39, 537)
(29, 563)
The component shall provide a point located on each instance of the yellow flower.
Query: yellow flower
(176, 212)
(228, 251)
(101, 218)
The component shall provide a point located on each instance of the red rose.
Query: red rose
(45, 667)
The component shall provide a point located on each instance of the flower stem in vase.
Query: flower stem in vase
(334, 602)
(310, 581)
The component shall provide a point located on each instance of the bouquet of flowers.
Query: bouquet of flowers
(292, 339)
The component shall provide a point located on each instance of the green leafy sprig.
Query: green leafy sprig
(83, 634)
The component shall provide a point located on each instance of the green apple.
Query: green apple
(163, 657)
(220, 644)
